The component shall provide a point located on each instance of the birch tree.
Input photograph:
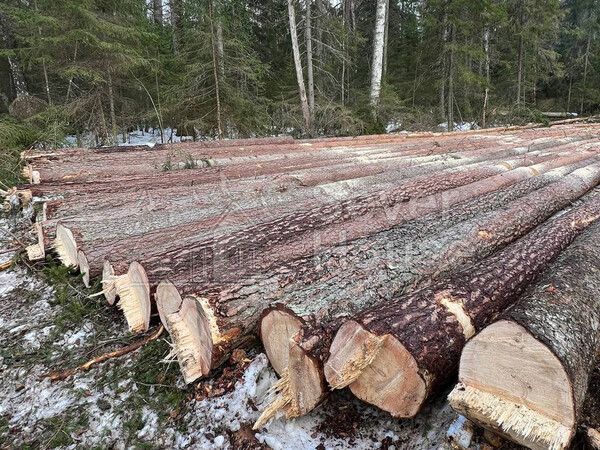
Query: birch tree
(298, 65)
(378, 48)
(309, 59)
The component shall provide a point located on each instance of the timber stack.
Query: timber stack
(386, 264)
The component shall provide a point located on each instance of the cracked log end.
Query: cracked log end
(299, 390)
(84, 267)
(26, 172)
(133, 290)
(277, 326)
(514, 385)
(108, 283)
(37, 251)
(192, 343)
(66, 246)
(168, 300)
(379, 370)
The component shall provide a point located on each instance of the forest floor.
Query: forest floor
(48, 323)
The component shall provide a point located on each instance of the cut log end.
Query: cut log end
(299, 390)
(108, 283)
(352, 350)
(34, 252)
(133, 290)
(168, 300)
(192, 343)
(84, 267)
(378, 370)
(276, 328)
(512, 384)
(66, 246)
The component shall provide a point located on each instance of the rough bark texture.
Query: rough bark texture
(433, 334)
(235, 299)
(378, 44)
(412, 255)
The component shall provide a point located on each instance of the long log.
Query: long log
(547, 342)
(232, 308)
(396, 354)
(306, 328)
(86, 235)
(148, 162)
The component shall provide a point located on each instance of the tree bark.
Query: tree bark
(486, 67)
(113, 117)
(422, 335)
(298, 66)
(549, 342)
(385, 39)
(378, 48)
(309, 59)
(157, 11)
(585, 70)
(429, 249)
(215, 70)
(235, 275)
(176, 23)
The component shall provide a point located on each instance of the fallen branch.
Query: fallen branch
(100, 359)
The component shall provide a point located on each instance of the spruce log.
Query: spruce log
(233, 307)
(396, 354)
(309, 325)
(547, 342)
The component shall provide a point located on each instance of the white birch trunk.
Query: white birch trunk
(298, 64)
(378, 45)
(309, 60)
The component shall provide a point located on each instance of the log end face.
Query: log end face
(393, 381)
(84, 267)
(168, 300)
(276, 328)
(66, 246)
(307, 383)
(513, 384)
(133, 290)
(192, 342)
(352, 350)
(108, 283)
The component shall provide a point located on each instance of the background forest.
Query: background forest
(95, 69)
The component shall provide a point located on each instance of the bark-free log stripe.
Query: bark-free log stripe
(455, 307)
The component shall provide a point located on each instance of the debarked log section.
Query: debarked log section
(423, 258)
(548, 341)
(232, 312)
(395, 355)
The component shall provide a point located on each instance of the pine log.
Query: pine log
(396, 354)
(547, 342)
(89, 233)
(233, 307)
(306, 326)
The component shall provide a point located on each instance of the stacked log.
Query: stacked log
(397, 354)
(310, 325)
(404, 246)
(549, 342)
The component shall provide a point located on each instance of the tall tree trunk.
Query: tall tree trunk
(450, 116)
(176, 19)
(309, 60)
(220, 47)
(385, 38)
(298, 65)
(215, 70)
(113, 116)
(378, 46)
(585, 70)
(71, 78)
(157, 11)
(519, 70)
(319, 27)
(486, 73)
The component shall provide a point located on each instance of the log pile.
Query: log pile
(366, 262)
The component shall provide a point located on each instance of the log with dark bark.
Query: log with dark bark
(307, 326)
(396, 354)
(232, 305)
(548, 342)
